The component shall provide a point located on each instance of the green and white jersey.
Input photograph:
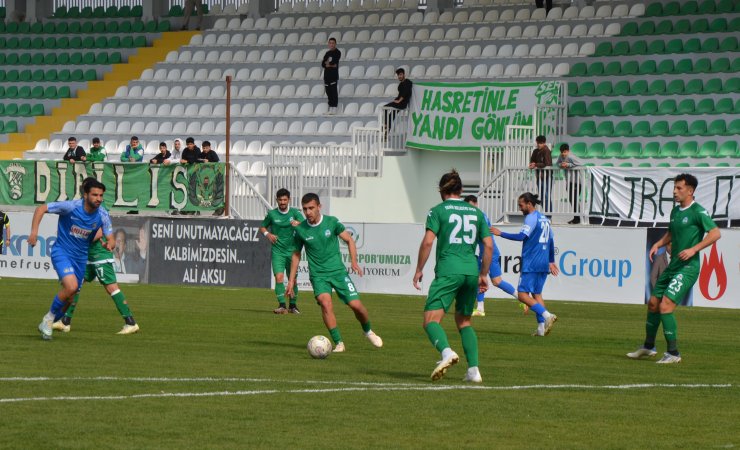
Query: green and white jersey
(688, 227)
(278, 223)
(458, 227)
(97, 254)
(322, 245)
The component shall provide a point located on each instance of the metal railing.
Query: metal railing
(325, 168)
(245, 200)
(394, 127)
(286, 176)
(367, 142)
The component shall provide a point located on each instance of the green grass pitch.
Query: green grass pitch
(214, 368)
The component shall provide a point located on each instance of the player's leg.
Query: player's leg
(70, 277)
(441, 294)
(654, 319)
(65, 323)
(293, 308)
(278, 269)
(679, 286)
(108, 280)
(530, 289)
(347, 292)
(480, 310)
(463, 310)
(322, 293)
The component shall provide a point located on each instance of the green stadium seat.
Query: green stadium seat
(648, 67)
(669, 150)
(10, 127)
(630, 68)
(674, 46)
(638, 48)
(682, 164)
(111, 27)
(709, 45)
(37, 110)
(664, 27)
(88, 42)
(632, 150)
(725, 6)
(651, 150)
(111, 12)
(11, 109)
(587, 128)
(99, 12)
(25, 76)
(625, 164)
(587, 88)
(622, 87)
(11, 92)
(579, 149)
(701, 164)
(88, 58)
(688, 149)
(60, 12)
(37, 75)
(90, 75)
(99, 27)
(127, 42)
(671, 9)
(605, 129)
(679, 128)
(623, 128)
(682, 26)
(731, 85)
(728, 148)
(75, 42)
(24, 59)
(137, 26)
(595, 108)
(75, 58)
(630, 29)
(603, 88)
(734, 127)
(646, 29)
(702, 65)
(595, 69)
(86, 12)
(75, 27)
(63, 59)
(76, 75)
(721, 65)
(656, 47)
(12, 76)
(607, 164)
(114, 42)
(613, 108)
(596, 150)
(136, 11)
(640, 87)
(723, 106)
(645, 165)
(722, 164)
(87, 27)
(659, 128)
(649, 107)
(578, 70)
(663, 164)
(708, 150)
(164, 26)
(734, 25)
(603, 49)
(613, 150)
(631, 108)
(621, 48)
(666, 67)
(51, 91)
(689, 8)
(700, 26)
(705, 106)
(692, 45)
(685, 65)
(151, 26)
(577, 109)
(124, 11)
(115, 58)
(654, 10)
(175, 11)
(641, 128)
(101, 42)
(64, 92)
(125, 27)
(717, 127)
(707, 7)
(735, 67)
(686, 106)
(573, 89)
(24, 92)
(24, 110)
(101, 58)
(712, 86)
(675, 87)
(718, 25)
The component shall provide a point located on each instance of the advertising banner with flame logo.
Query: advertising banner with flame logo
(719, 279)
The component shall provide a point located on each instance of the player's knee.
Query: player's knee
(279, 278)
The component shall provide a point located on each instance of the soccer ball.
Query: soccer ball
(319, 347)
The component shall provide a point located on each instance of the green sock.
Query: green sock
(470, 345)
(437, 336)
(121, 304)
(366, 326)
(670, 331)
(280, 293)
(71, 308)
(294, 298)
(335, 335)
(651, 328)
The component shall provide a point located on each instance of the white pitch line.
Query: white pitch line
(363, 388)
(201, 380)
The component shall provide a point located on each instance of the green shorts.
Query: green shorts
(341, 282)
(281, 262)
(675, 284)
(445, 289)
(103, 272)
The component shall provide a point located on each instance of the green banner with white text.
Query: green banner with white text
(465, 116)
(129, 186)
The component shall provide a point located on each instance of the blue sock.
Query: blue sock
(481, 296)
(538, 309)
(506, 287)
(57, 308)
(540, 318)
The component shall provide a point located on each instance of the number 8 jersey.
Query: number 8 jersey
(458, 227)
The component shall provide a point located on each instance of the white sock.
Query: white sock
(49, 316)
(546, 314)
(481, 306)
(541, 328)
(447, 353)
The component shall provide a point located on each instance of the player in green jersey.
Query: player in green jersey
(458, 228)
(690, 230)
(100, 266)
(280, 222)
(318, 235)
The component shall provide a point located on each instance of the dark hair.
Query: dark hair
(332, 39)
(90, 183)
(205, 143)
(308, 198)
(564, 147)
(689, 179)
(134, 138)
(471, 199)
(450, 183)
(71, 138)
(400, 70)
(541, 139)
(529, 197)
(282, 192)
(163, 144)
(96, 140)
(190, 141)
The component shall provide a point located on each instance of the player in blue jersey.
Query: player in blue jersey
(494, 272)
(79, 221)
(538, 260)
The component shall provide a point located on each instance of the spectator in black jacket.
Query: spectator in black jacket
(75, 153)
(401, 101)
(330, 63)
(207, 154)
(191, 152)
(163, 154)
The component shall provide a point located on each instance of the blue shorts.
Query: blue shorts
(532, 282)
(494, 270)
(64, 265)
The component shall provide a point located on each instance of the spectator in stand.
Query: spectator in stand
(188, 11)
(547, 4)
(541, 161)
(401, 101)
(175, 155)
(162, 156)
(75, 153)
(573, 181)
(191, 153)
(4, 227)
(134, 151)
(330, 63)
(97, 151)
(207, 154)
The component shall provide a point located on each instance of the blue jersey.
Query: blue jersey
(496, 251)
(77, 228)
(537, 243)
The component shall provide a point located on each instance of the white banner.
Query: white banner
(646, 194)
(464, 116)
(387, 254)
(20, 259)
(596, 265)
(719, 279)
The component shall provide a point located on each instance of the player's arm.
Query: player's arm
(424, 250)
(345, 236)
(551, 254)
(295, 260)
(265, 232)
(487, 254)
(38, 214)
(662, 242)
(712, 236)
(107, 229)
